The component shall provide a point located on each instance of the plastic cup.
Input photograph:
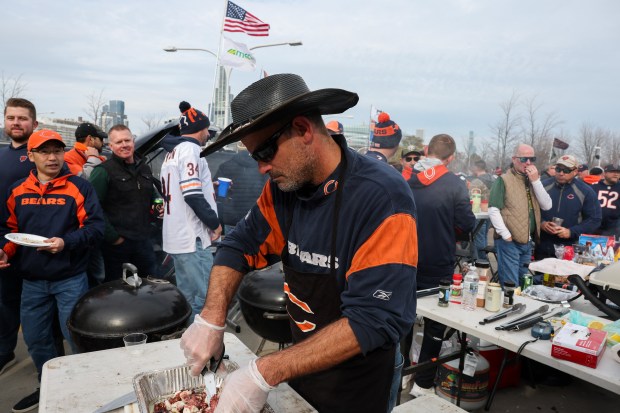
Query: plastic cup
(222, 188)
(132, 342)
(557, 221)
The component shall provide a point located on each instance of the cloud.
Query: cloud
(440, 66)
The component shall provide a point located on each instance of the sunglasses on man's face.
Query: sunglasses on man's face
(563, 170)
(412, 158)
(267, 150)
(524, 159)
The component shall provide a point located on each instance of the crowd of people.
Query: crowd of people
(344, 225)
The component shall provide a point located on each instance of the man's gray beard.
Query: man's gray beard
(302, 178)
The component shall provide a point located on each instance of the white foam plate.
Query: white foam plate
(27, 240)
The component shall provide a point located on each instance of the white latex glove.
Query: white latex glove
(244, 391)
(200, 342)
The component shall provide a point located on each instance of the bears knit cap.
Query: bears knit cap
(386, 133)
(192, 120)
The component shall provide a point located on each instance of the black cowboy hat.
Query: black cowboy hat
(277, 98)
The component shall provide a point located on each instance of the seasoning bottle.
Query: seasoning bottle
(493, 297)
(444, 293)
(456, 289)
(509, 294)
(483, 273)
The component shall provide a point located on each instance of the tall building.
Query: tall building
(218, 106)
(113, 114)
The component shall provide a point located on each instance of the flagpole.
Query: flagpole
(551, 151)
(218, 69)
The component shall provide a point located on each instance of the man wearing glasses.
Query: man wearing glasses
(55, 204)
(515, 202)
(408, 160)
(575, 210)
(344, 227)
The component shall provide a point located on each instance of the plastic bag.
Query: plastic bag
(613, 332)
(542, 292)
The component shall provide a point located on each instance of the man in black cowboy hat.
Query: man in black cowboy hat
(349, 273)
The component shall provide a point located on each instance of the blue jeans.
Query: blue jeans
(192, 271)
(512, 257)
(38, 301)
(10, 296)
(398, 369)
(480, 239)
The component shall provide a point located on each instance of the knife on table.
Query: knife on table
(516, 309)
(541, 310)
(119, 402)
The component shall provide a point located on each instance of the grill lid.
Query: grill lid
(264, 289)
(116, 308)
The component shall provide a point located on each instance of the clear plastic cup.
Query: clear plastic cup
(132, 342)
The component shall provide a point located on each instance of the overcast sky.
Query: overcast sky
(441, 66)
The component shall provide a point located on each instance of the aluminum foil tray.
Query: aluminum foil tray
(153, 386)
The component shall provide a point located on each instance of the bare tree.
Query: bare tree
(94, 106)
(538, 129)
(505, 131)
(589, 138)
(10, 87)
(611, 150)
(152, 120)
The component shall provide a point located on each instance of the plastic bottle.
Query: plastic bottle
(456, 289)
(470, 288)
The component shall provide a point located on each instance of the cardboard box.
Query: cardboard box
(579, 344)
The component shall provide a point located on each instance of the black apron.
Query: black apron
(360, 384)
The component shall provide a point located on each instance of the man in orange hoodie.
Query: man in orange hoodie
(85, 154)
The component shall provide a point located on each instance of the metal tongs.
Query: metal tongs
(522, 325)
(515, 309)
(212, 382)
(509, 326)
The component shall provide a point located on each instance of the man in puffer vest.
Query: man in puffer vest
(514, 209)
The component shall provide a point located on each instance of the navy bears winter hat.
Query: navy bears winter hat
(386, 133)
(192, 120)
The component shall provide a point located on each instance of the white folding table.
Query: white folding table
(606, 375)
(87, 381)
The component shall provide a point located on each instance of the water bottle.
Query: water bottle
(470, 288)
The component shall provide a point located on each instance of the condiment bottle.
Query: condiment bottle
(493, 297)
(444, 293)
(509, 294)
(456, 289)
(483, 273)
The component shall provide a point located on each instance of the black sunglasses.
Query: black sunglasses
(524, 159)
(412, 158)
(267, 150)
(560, 169)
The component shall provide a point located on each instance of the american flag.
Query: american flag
(239, 20)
